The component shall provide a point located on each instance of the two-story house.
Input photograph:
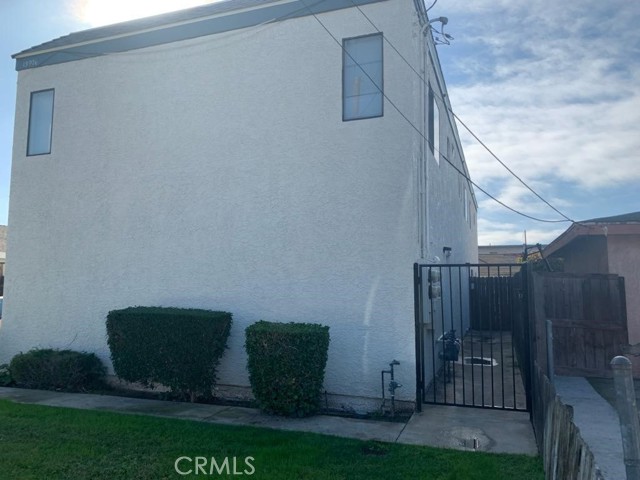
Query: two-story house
(275, 159)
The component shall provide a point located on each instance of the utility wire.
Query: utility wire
(463, 174)
(459, 119)
(432, 5)
(202, 40)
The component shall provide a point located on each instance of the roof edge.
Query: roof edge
(591, 229)
(250, 13)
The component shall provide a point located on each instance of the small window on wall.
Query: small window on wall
(362, 84)
(453, 156)
(466, 206)
(40, 123)
(434, 126)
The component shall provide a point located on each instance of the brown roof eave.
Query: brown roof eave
(590, 229)
(563, 240)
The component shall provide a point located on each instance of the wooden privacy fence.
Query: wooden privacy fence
(564, 453)
(589, 327)
(492, 304)
(588, 315)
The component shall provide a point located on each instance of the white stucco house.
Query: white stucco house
(236, 157)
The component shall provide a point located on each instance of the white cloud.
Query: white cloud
(553, 89)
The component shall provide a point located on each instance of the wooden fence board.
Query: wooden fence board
(492, 303)
(565, 454)
(589, 321)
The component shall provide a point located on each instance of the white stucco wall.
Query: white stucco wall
(447, 225)
(217, 173)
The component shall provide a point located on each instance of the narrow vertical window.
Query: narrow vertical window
(434, 126)
(362, 77)
(466, 206)
(40, 122)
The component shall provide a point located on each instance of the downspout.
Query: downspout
(425, 146)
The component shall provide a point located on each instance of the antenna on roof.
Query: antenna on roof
(443, 38)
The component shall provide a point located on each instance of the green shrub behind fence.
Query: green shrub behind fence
(175, 347)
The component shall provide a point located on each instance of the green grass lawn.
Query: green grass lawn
(38, 442)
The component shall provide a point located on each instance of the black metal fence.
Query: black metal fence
(472, 335)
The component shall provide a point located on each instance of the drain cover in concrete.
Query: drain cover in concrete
(466, 438)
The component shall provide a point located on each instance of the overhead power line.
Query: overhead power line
(243, 32)
(397, 109)
(459, 119)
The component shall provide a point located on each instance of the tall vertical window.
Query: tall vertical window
(466, 206)
(362, 77)
(434, 126)
(40, 122)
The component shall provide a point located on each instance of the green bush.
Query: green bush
(286, 366)
(175, 347)
(5, 375)
(51, 369)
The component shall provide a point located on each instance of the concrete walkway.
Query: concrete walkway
(598, 423)
(440, 426)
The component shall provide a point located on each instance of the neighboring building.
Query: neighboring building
(606, 245)
(500, 254)
(491, 255)
(495, 255)
(234, 157)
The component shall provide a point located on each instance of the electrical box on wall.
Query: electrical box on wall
(435, 288)
(434, 275)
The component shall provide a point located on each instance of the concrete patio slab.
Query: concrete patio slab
(487, 430)
(498, 384)
(331, 425)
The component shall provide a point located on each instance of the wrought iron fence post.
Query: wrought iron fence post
(417, 307)
(628, 414)
(529, 337)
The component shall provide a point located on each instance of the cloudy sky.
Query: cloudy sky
(553, 88)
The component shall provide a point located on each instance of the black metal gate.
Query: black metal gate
(472, 336)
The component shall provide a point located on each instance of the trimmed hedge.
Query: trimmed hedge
(175, 347)
(5, 375)
(51, 369)
(286, 363)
